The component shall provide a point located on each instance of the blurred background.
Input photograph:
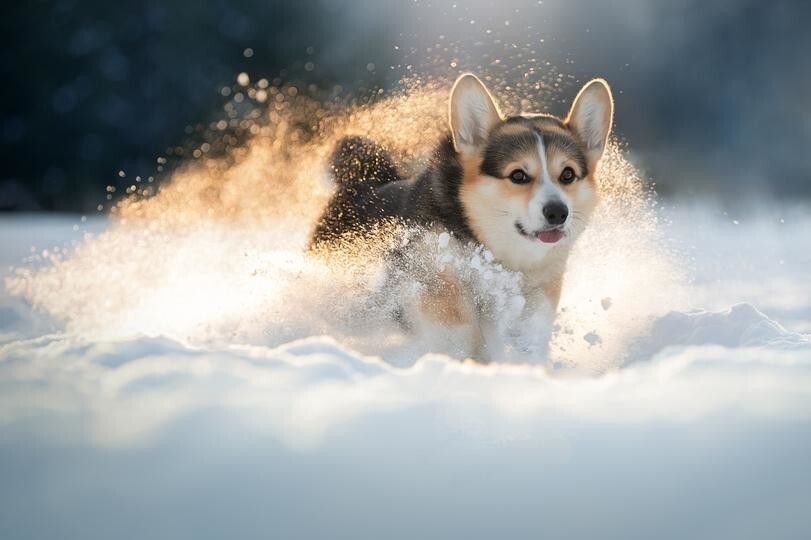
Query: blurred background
(711, 96)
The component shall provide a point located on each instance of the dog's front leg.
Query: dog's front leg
(447, 319)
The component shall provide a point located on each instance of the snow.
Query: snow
(137, 401)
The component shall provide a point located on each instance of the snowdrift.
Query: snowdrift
(702, 431)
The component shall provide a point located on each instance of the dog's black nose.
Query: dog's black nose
(555, 213)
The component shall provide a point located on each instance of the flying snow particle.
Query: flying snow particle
(592, 338)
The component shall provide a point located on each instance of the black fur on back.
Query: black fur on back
(360, 160)
(370, 191)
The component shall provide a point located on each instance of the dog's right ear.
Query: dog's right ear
(473, 113)
(591, 116)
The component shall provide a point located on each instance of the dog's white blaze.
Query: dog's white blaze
(545, 191)
(542, 155)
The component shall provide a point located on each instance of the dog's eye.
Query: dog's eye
(519, 177)
(567, 176)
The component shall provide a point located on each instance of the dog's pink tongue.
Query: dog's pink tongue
(550, 237)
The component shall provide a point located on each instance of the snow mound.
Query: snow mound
(742, 325)
(703, 434)
(252, 438)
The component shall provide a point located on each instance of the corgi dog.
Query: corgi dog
(523, 187)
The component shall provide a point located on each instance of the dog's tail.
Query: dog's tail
(359, 160)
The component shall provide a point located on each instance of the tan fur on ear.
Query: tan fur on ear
(591, 116)
(473, 113)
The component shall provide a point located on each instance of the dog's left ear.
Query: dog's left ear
(591, 115)
(473, 113)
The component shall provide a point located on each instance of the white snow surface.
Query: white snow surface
(684, 414)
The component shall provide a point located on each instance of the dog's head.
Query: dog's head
(528, 182)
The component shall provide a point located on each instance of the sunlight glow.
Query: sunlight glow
(217, 254)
